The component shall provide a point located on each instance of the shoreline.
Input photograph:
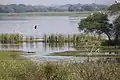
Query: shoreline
(84, 14)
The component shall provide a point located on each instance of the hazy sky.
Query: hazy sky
(49, 2)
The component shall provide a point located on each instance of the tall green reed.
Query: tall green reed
(10, 38)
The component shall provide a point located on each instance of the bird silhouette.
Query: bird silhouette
(35, 26)
(117, 1)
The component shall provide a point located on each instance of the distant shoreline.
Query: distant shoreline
(84, 13)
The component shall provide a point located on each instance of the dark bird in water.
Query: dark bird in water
(35, 26)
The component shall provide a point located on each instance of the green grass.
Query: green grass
(9, 55)
(13, 69)
(84, 53)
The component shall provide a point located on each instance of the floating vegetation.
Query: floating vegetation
(10, 38)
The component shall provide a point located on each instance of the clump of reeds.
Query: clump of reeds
(76, 38)
(10, 38)
(28, 39)
(54, 38)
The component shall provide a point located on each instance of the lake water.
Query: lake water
(45, 25)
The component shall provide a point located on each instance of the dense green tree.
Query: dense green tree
(99, 23)
(117, 29)
(114, 8)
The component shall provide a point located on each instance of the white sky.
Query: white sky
(59, 2)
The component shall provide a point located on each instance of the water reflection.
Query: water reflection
(38, 47)
(11, 46)
(43, 49)
(54, 46)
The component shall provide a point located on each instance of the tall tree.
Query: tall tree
(114, 8)
(99, 22)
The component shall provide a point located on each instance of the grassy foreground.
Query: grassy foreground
(13, 69)
(9, 55)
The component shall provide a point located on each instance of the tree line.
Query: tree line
(19, 8)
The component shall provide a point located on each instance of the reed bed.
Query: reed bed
(10, 38)
(26, 70)
(55, 45)
(76, 38)
(15, 38)
(52, 38)
(28, 39)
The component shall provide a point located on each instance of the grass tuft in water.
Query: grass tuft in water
(10, 38)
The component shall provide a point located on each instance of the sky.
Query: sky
(57, 2)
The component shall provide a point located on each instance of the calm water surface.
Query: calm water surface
(45, 25)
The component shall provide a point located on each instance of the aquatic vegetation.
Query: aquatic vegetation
(10, 38)
(28, 39)
(75, 38)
